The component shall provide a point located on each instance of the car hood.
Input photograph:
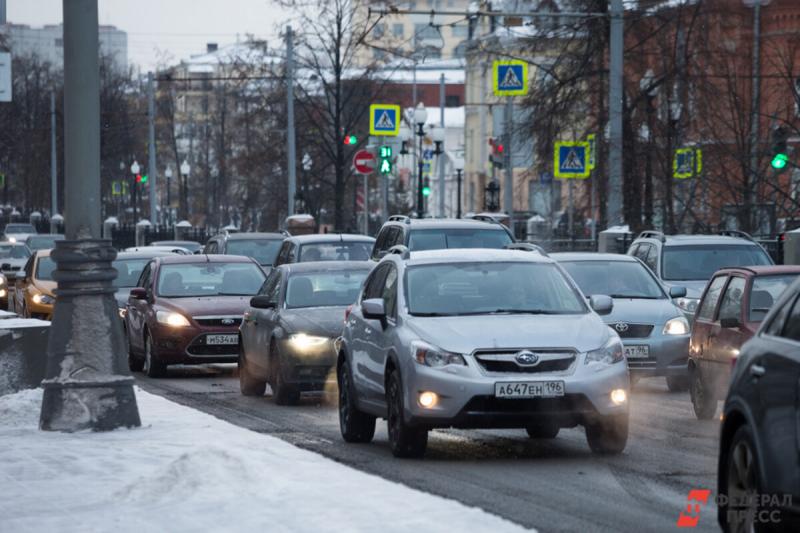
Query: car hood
(465, 334)
(18, 263)
(47, 287)
(694, 288)
(207, 305)
(639, 311)
(322, 321)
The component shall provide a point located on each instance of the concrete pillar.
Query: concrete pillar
(108, 226)
(791, 248)
(142, 227)
(608, 240)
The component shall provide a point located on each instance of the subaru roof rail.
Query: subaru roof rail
(736, 233)
(652, 234)
(526, 247)
(401, 250)
(485, 218)
(400, 218)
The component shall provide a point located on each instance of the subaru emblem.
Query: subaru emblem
(526, 357)
(622, 327)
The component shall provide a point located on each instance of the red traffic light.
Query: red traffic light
(350, 140)
(498, 148)
(138, 178)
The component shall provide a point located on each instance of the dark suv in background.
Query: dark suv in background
(438, 234)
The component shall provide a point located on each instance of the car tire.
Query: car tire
(703, 403)
(608, 435)
(544, 430)
(152, 367)
(739, 482)
(355, 425)
(678, 383)
(249, 385)
(284, 393)
(405, 440)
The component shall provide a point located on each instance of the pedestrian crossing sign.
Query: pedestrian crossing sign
(687, 163)
(571, 160)
(510, 77)
(384, 119)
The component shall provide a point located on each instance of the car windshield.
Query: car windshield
(263, 251)
(324, 289)
(209, 279)
(19, 228)
(335, 251)
(14, 251)
(765, 292)
(618, 279)
(43, 242)
(438, 239)
(686, 263)
(44, 268)
(490, 288)
(128, 271)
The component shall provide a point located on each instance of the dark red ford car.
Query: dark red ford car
(186, 309)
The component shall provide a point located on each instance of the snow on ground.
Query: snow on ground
(188, 471)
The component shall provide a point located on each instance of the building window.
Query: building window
(398, 30)
(452, 100)
(379, 30)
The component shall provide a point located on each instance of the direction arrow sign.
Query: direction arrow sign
(510, 77)
(571, 160)
(384, 119)
(364, 162)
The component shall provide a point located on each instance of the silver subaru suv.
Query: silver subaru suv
(479, 339)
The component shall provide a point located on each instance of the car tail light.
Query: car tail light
(347, 312)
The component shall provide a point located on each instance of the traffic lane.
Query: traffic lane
(556, 485)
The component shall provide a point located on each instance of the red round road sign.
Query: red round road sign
(364, 162)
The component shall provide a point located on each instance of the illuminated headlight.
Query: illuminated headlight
(175, 320)
(43, 299)
(610, 353)
(122, 312)
(3, 293)
(688, 305)
(301, 341)
(619, 396)
(12, 240)
(676, 326)
(425, 354)
(428, 399)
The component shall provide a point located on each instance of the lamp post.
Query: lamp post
(168, 175)
(459, 164)
(135, 168)
(306, 162)
(420, 116)
(185, 168)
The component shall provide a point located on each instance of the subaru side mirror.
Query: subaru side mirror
(677, 292)
(373, 309)
(601, 304)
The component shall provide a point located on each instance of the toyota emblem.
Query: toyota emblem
(621, 327)
(228, 321)
(526, 357)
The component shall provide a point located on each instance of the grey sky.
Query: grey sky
(161, 29)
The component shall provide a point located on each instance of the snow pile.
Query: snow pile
(188, 471)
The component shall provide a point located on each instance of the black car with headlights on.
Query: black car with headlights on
(288, 332)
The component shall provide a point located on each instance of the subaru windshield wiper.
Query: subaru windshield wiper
(514, 312)
(635, 296)
(430, 314)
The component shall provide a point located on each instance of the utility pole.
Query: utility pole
(508, 193)
(87, 385)
(441, 156)
(53, 161)
(290, 139)
(151, 147)
(756, 109)
(616, 49)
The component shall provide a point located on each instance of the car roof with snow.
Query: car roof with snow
(473, 255)
(592, 256)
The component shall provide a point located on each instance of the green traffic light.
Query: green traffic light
(426, 191)
(780, 161)
(144, 178)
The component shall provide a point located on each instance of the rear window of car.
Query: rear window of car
(128, 271)
(696, 262)
(335, 251)
(439, 239)
(324, 289)
(45, 268)
(618, 279)
(262, 250)
(19, 228)
(43, 242)
(766, 291)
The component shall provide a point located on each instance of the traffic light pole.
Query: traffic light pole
(151, 148)
(420, 196)
(290, 137)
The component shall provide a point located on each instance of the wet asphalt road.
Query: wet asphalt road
(556, 485)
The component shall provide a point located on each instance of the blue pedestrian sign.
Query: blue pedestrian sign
(510, 78)
(384, 119)
(571, 160)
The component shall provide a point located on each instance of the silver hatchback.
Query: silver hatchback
(479, 339)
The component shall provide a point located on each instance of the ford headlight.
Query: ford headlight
(122, 312)
(428, 355)
(175, 320)
(676, 326)
(688, 305)
(610, 353)
(43, 299)
(301, 341)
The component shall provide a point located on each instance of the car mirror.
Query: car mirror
(138, 293)
(677, 292)
(729, 322)
(374, 309)
(262, 302)
(601, 304)
(382, 254)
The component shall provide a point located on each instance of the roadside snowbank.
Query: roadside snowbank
(188, 471)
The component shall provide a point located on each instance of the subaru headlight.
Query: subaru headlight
(175, 320)
(122, 312)
(428, 355)
(676, 326)
(301, 341)
(12, 240)
(611, 352)
(688, 305)
(43, 299)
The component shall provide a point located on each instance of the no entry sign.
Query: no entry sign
(364, 162)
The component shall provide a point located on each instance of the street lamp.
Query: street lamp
(459, 164)
(185, 168)
(420, 117)
(301, 199)
(168, 175)
(135, 169)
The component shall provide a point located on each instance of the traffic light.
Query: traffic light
(141, 178)
(497, 153)
(350, 140)
(780, 155)
(426, 186)
(385, 155)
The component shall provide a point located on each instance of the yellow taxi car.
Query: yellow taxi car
(33, 290)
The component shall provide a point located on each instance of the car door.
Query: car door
(263, 320)
(21, 283)
(724, 343)
(704, 322)
(381, 339)
(137, 309)
(380, 242)
(367, 375)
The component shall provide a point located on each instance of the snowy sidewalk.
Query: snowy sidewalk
(188, 471)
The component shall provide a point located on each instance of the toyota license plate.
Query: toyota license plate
(637, 351)
(222, 339)
(529, 389)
